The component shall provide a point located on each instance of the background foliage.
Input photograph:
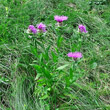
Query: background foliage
(36, 74)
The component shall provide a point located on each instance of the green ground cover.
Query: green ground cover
(36, 73)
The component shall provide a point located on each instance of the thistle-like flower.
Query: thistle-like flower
(75, 55)
(60, 19)
(32, 29)
(41, 27)
(82, 29)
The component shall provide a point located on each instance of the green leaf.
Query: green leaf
(94, 65)
(37, 67)
(59, 41)
(4, 80)
(71, 73)
(47, 73)
(62, 67)
(34, 50)
(54, 57)
(78, 85)
(37, 76)
(72, 96)
(46, 53)
(44, 97)
(67, 81)
(40, 44)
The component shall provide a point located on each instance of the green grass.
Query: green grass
(36, 74)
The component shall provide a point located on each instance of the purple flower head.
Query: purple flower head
(60, 18)
(82, 28)
(41, 27)
(70, 54)
(75, 55)
(32, 29)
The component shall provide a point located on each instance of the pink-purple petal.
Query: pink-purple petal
(32, 29)
(75, 54)
(60, 18)
(41, 27)
(82, 28)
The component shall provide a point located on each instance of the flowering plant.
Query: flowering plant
(82, 29)
(75, 55)
(41, 27)
(60, 18)
(32, 29)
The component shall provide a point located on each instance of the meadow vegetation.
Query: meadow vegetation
(36, 72)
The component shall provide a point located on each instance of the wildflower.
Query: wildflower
(32, 29)
(70, 54)
(60, 18)
(75, 55)
(41, 27)
(82, 28)
(29, 36)
(28, 31)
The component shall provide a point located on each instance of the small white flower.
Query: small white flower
(29, 36)
(28, 31)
